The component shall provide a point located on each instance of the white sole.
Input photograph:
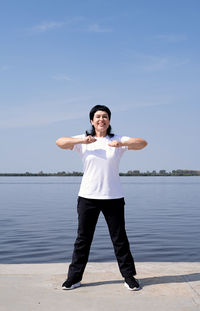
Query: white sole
(72, 287)
(133, 289)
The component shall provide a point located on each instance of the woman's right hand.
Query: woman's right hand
(88, 140)
(69, 142)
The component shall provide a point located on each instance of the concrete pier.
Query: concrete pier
(165, 287)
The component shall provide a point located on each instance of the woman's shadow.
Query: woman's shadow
(163, 279)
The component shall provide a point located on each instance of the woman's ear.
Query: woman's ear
(91, 122)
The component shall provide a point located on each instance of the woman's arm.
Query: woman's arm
(69, 142)
(135, 143)
(131, 143)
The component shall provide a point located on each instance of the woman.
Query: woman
(100, 191)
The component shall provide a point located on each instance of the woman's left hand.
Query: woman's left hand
(115, 143)
(131, 143)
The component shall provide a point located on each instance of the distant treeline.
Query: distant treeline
(178, 172)
(162, 173)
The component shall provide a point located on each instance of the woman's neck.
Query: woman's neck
(101, 134)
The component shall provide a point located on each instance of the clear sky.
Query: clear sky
(60, 58)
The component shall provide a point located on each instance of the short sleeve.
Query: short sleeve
(78, 147)
(124, 139)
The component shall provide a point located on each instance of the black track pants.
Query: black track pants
(88, 213)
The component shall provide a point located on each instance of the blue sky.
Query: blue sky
(60, 58)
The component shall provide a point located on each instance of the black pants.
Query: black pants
(88, 213)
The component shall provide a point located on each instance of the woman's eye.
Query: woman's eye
(104, 117)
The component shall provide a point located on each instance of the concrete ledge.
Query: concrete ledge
(166, 286)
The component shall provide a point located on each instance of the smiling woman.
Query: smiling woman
(101, 191)
(100, 121)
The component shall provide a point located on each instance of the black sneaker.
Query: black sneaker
(131, 283)
(70, 284)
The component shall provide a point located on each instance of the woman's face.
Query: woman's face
(101, 122)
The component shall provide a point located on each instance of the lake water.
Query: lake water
(38, 219)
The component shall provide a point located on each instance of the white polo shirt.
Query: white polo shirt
(101, 168)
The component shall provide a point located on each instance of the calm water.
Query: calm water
(38, 219)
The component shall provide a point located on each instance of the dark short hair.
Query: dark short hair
(101, 108)
(91, 116)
